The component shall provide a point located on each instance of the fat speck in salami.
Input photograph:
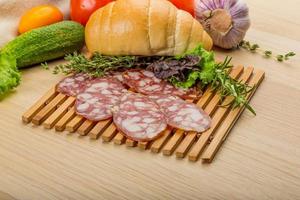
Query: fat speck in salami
(138, 117)
(181, 114)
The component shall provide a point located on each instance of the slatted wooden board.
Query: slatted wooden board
(55, 110)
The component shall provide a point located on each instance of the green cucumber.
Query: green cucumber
(46, 43)
(36, 46)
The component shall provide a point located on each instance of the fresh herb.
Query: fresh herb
(96, 66)
(267, 53)
(228, 86)
(197, 65)
(217, 75)
(172, 67)
(10, 76)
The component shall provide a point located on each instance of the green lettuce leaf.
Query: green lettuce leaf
(206, 66)
(191, 80)
(9, 75)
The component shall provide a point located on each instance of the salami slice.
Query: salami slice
(106, 86)
(118, 75)
(138, 118)
(115, 74)
(145, 82)
(73, 85)
(95, 107)
(192, 93)
(181, 114)
(98, 98)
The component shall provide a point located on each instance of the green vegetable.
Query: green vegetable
(36, 46)
(9, 75)
(217, 75)
(46, 43)
(96, 66)
(207, 71)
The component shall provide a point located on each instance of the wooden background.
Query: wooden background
(259, 160)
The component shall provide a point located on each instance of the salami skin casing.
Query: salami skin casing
(138, 117)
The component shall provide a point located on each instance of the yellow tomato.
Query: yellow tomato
(39, 16)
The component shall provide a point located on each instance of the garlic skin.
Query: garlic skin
(226, 21)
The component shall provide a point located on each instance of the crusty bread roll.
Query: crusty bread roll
(143, 27)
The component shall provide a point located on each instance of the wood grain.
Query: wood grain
(260, 159)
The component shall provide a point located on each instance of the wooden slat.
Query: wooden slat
(216, 121)
(59, 113)
(99, 128)
(34, 109)
(160, 142)
(45, 112)
(186, 144)
(85, 127)
(109, 133)
(229, 122)
(73, 125)
(204, 100)
(130, 143)
(61, 124)
(119, 139)
(143, 145)
(190, 138)
(173, 142)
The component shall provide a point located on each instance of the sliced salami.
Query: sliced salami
(106, 86)
(145, 82)
(139, 118)
(97, 100)
(181, 114)
(192, 93)
(115, 74)
(95, 107)
(73, 85)
(119, 76)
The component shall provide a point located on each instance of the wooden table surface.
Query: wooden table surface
(259, 160)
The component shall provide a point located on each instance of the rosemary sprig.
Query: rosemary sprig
(227, 86)
(266, 53)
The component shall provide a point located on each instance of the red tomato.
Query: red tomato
(187, 5)
(81, 10)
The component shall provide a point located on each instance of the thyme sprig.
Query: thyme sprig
(96, 66)
(266, 53)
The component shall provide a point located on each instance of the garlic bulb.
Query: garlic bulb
(226, 21)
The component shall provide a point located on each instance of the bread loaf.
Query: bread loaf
(143, 27)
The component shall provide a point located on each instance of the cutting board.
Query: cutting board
(56, 110)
